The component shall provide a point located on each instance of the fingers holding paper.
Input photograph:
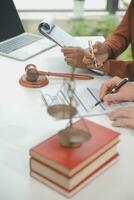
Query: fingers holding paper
(78, 57)
(74, 56)
(123, 117)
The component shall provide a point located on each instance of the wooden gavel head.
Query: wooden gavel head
(32, 73)
(33, 78)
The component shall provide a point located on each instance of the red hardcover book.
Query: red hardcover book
(69, 161)
(70, 192)
(69, 183)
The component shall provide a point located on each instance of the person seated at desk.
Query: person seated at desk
(123, 117)
(107, 51)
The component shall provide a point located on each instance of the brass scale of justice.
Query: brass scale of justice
(70, 136)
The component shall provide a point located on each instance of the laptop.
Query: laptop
(14, 41)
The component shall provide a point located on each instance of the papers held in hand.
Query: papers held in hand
(59, 36)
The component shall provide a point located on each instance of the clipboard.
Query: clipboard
(56, 34)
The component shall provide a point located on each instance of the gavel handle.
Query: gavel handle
(67, 75)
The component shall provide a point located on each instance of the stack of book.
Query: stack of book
(67, 170)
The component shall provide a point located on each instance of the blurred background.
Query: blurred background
(77, 17)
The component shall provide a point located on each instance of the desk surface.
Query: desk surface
(24, 123)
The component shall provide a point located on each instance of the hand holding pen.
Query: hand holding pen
(107, 89)
(96, 55)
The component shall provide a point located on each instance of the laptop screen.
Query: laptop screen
(10, 23)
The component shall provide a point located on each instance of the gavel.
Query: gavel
(32, 74)
(33, 78)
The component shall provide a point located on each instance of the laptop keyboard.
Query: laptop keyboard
(18, 43)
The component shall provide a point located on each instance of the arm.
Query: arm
(119, 68)
(111, 48)
(120, 38)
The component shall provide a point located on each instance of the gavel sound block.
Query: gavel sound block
(33, 78)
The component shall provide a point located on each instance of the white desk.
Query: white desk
(24, 123)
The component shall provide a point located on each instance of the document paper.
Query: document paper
(53, 32)
(84, 99)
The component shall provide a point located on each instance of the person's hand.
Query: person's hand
(101, 52)
(123, 117)
(74, 56)
(125, 93)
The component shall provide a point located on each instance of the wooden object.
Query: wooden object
(41, 82)
(32, 78)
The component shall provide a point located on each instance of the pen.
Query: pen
(114, 89)
(92, 52)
